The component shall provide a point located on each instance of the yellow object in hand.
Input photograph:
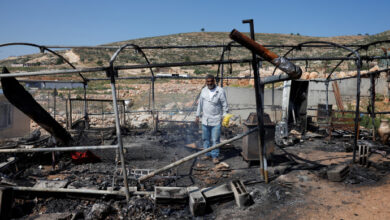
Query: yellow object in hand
(225, 121)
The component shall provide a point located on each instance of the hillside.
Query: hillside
(95, 57)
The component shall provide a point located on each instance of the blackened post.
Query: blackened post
(372, 90)
(67, 113)
(357, 110)
(259, 91)
(86, 118)
(223, 52)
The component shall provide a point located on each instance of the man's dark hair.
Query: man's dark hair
(209, 76)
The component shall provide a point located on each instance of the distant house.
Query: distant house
(13, 123)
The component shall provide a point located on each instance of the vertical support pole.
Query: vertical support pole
(259, 91)
(357, 110)
(327, 110)
(124, 112)
(119, 137)
(54, 102)
(48, 101)
(155, 121)
(86, 107)
(70, 113)
(67, 113)
(223, 51)
(372, 90)
(273, 101)
(102, 111)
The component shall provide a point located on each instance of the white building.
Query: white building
(13, 123)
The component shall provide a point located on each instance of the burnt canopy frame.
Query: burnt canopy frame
(113, 68)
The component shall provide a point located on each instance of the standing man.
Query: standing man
(213, 106)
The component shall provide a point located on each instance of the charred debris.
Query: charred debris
(74, 170)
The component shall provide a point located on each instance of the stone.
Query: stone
(51, 184)
(338, 173)
(165, 194)
(241, 195)
(197, 202)
(219, 192)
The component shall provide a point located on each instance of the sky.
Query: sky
(94, 22)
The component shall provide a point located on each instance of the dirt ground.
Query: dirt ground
(298, 190)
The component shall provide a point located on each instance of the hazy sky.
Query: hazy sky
(93, 22)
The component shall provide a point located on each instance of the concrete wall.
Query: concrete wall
(20, 123)
(245, 97)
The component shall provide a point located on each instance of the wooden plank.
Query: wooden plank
(336, 92)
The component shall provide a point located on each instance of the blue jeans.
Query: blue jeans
(211, 135)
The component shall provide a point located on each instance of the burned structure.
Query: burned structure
(156, 165)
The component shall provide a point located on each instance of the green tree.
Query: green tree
(59, 61)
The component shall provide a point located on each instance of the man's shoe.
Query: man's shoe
(205, 158)
(215, 160)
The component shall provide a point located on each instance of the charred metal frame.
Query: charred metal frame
(112, 74)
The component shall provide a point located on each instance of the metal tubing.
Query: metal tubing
(282, 63)
(327, 103)
(274, 79)
(43, 48)
(81, 191)
(372, 93)
(86, 118)
(119, 137)
(177, 163)
(63, 149)
(185, 46)
(140, 66)
(357, 114)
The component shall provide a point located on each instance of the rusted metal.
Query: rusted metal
(253, 46)
(282, 63)
(21, 99)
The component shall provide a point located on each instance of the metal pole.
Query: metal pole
(54, 103)
(119, 137)
(259, 105)
(185, 159)
(63, 149)
(67, 113)
(70, 113)
(155, 121)
(86, 107)
(82, 191)
(124, 112)
(223, 50)
(372, 90)
(357, 113)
